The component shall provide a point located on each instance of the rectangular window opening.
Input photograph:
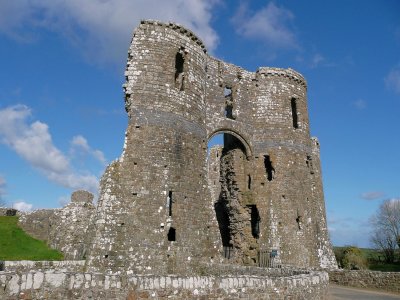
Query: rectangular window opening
(179, 69)
(172, 234)
(294, 113)
(309, 163)
(268, 167)
(169, 203)
(254, 221)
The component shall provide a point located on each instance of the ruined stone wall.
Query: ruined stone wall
(6, 211)
(66, 229)
(326, 256)
(37, 223)
(71, 226)
(156, 212)
(236, 205)
(267, 111)
(53, 284)
(386, 281)
(214, 163)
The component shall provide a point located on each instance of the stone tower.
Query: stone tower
(157, 211)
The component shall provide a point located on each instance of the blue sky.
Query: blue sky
(62, 117)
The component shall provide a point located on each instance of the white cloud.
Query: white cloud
(360, 104)
(271, 24)
(33, 143)
(372, 195)
(102, 28)
(317, 59)
(80, 143)
(392, 80)
(22, 206)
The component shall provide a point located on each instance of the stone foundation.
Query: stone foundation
(53, 284)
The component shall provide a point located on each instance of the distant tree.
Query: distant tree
(354, 259)
(386, 228)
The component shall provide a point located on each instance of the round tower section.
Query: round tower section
(165, 71)
(282, 149)
(161, 176)
(280, 105)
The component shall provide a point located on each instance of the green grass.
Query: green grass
(15, 244)
(385, 267)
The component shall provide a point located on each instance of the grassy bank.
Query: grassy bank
(15, 244)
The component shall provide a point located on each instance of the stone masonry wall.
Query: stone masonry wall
(37, 223)
(155, 201)
(386, 281)
(53, 284)
(72, 226)
(60, 265)
(236, 204)
(66, 229)
(6, 211)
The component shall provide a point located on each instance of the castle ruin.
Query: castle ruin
(162, 200)
(169, 205)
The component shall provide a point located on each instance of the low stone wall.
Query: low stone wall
(6, 211)
(53, 284)
(387, 281)
(62, 265)
(66, 229)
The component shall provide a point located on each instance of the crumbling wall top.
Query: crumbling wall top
(289, 73)
(82, 196)
(179, 28)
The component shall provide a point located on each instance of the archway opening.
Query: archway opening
(229, 177)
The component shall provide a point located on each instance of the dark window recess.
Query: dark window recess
(223, 223)
(269, 168)
(255, 221)
(170, 203)
(229, 111)
(179, 70)
(172, 234)
(299, 220)
(293, 103)
(248, 182)
(309, 163)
